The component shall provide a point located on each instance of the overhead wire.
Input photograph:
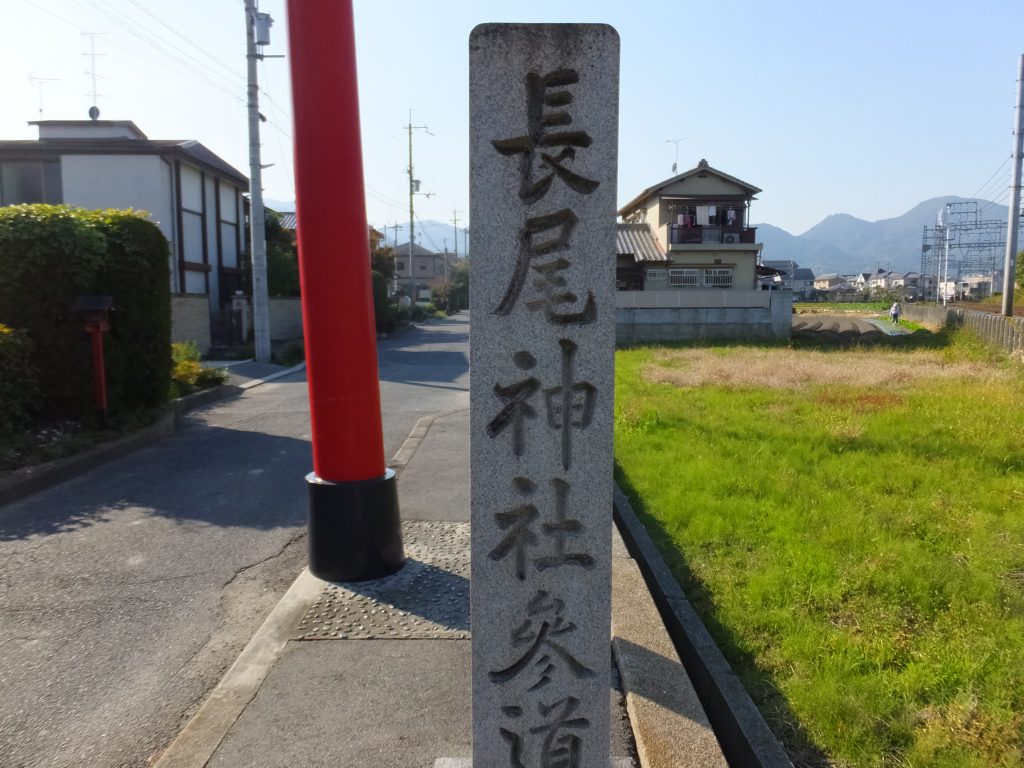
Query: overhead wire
(160, 44)
(170, 28)
(990, 178)
(423, 229)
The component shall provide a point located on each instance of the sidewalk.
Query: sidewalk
(378, 674)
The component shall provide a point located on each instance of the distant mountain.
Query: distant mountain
(432, 235)
(845, 244)
(819, 256)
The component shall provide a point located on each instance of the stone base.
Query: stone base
(466, 762)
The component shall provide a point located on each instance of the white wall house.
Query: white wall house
(688, 263)
(194, 196)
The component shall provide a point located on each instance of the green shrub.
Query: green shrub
(188, 375)
(211, 377)
(184, 350)
(18, 384)
(381, 308)
(51, 254)
(136, 274)
(48, 256)
(417, 313)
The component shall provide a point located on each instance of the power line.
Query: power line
(430, 240)
(199, 48)
(998, 170)
(161, 45)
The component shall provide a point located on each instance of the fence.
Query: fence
(996, 330)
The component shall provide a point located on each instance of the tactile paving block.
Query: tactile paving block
(428, 598)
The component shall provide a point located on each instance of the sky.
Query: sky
(862, 108)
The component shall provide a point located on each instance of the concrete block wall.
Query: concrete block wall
(652, 324)
(285, 319)
(190, 319)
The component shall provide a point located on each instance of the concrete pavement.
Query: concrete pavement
(374, 674)
(377, 673)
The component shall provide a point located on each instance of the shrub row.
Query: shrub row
(49, 255)
(18, 384)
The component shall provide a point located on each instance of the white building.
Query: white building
(194, 196)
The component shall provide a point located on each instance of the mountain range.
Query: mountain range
(845, 244)
(838, 243)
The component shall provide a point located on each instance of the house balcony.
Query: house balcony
(680, 235)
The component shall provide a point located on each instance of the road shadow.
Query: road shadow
(201, 475)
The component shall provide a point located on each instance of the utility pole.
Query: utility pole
(394, 272)
(455, 226)
(414, 189)
(260, 297)
(1010, 263)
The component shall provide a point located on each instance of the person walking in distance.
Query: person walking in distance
(894, 312)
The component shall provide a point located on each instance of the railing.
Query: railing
(679, 234)
(995, 330)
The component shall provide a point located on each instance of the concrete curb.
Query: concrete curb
(197, 742)
(199, 739)
(29, 480)
(746, 739)
(670, 727)
(404, 454)
(274, 376)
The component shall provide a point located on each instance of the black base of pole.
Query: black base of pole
(355, 533)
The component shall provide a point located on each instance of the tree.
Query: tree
(382, 259)
(282, 258)
(458, 295)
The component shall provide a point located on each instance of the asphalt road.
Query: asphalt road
(126, 593)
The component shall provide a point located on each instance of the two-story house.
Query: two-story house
(703, 274)
(418, 271)
(194, 196)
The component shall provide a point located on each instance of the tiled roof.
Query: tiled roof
(638, 241)
(287, 220)
(417, 250)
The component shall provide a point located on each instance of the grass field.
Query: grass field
(850, 525)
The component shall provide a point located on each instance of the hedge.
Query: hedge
(18, 383)
(49, 255)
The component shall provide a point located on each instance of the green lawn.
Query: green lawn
(850, 525)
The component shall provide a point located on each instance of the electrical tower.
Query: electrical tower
(960, 244)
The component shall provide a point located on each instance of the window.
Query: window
(718, 278)
(38, 182)
(683, 278)
(655, 274)
(423, 266)
(400, 265)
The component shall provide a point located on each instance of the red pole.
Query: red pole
(334, 260)
(354, 526)
(99, 373)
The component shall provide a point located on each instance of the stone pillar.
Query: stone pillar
(543, 145)
(240, 307)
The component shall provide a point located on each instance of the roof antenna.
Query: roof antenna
(676, 142)
(39, 82)
(94, 111)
